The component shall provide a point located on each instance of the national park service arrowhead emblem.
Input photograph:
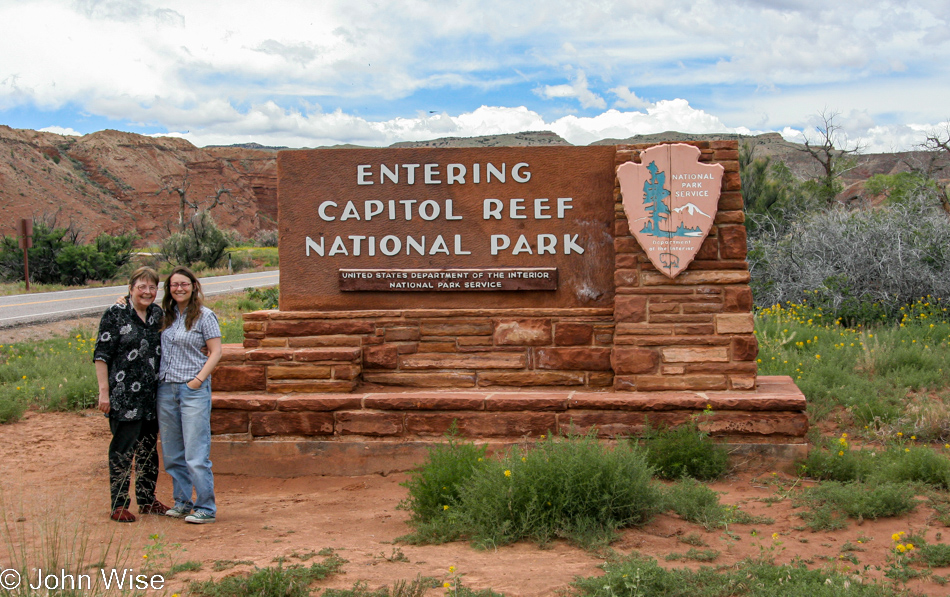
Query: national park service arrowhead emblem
(670, 200)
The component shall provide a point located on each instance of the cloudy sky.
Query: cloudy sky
(372, 72)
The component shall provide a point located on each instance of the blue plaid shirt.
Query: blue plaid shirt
(181, 348)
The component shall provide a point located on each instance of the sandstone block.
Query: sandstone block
(626, 244)
(652, 383)
(444, 346)
(616, 424)
(731, 181)
(530, 378)
(312, 341)
(626, 261)
(324, 403)
(644, 329)
(385, 356)
(253, 326)
(346, 371)
(760, 423)
(322, 327)
(693, 318)
(369, 423)
(626, 277)
(270, 354)
(584, 359)
(274, 342)
(694, 329)
(628, 361)
(228, 401)
(630, 309)
(733, 245)
(705, 354)
(664, 308)
(742, 381)
(284, 386)
(672, 370)
(737, 299)
(730, 200)
(288, 423)
(709, 249)
(426, 401)
(470, 341)
(573, 334)
(402, 334)
(246, 378)
(729, 217)
(492, 360)
(692, 308)
(482, 424)
(457, 328)
(251, 342)
(298, 372)
(527, 401)
(745, 348)
(422, 380)
(232, 353)
(738, 323)
(696, 278)
(600, 379)
(229, 421)
(329, 353)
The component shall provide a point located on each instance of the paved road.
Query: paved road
(23, 309)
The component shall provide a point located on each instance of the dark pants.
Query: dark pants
(133, 440)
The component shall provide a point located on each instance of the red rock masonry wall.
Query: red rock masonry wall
(333, 351)
(693, 332)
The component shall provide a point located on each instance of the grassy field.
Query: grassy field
(880, 394)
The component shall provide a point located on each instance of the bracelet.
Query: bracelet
(199, 379)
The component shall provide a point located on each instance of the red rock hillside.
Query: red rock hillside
(118, 182)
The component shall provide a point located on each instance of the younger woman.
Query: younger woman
(184, 395)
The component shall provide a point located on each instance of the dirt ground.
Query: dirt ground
(53, 471)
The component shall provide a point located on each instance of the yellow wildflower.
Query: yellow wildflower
(507, 473)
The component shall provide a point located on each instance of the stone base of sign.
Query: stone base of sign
(387, 431)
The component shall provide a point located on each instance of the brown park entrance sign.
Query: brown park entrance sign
(420, 287)
(360, 227)
(671, 201)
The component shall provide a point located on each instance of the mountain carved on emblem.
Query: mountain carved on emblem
(655, 200)
(691, 210)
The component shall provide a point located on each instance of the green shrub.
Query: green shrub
(201, 242)
(58, 257)
(831, 502)
(572, 487)
(435, 488)
(685, 451)
(638, 576)
(858, 265)
(293, 581)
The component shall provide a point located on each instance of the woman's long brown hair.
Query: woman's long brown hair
(194, 305)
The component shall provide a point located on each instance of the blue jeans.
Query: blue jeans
(184, 420)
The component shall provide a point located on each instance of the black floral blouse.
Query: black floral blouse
(132, 349)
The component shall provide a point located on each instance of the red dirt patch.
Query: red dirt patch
(54, 464)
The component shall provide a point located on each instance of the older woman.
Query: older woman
(184, 395)
(127, 356)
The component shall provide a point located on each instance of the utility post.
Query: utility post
(25, 232)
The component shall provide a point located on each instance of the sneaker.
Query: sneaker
(122, 515)
(155, 507)
(177, 512)
(200, 518)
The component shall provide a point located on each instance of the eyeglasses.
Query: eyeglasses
(180, 285)
(143, 288)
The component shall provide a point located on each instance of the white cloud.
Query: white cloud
(58, 130)
(578, 90)
(306, 71)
